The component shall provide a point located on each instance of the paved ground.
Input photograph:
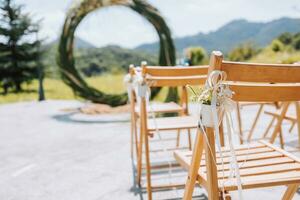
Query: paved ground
(50, 154)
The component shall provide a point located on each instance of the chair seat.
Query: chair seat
(172, 123)
(261, 165)
(157, 107)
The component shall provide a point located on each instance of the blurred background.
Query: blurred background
(108, 40)
(60, 136)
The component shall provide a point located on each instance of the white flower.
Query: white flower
(128, 79)
(139, 80)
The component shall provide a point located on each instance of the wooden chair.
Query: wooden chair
(266, 165)
(160, 77)
(156, 108)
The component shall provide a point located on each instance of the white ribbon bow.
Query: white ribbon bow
(222, 104)
(128, 81)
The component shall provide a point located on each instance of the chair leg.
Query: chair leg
(290, 192)
(225, 196)
(292, 127)
(140, 156)
(148, 168)
(239, 123)
(279, 122)
(195, 164)
(298, 120)
(136, 136)
(269, 127)
(221, 134)
(189, 139)
(255, 122)
(281, 138)
(178, 138)
(131, 136)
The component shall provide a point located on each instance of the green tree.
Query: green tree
(277, 45)
(243, 52)
(296, 41)
(196, 55)
(286, 38)
(19, 46)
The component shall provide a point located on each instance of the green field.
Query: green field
(56, 89)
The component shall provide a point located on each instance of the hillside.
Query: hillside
(92, 61)
(233, 34)
(283, 49)
(113, 59)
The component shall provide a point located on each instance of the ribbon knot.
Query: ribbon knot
(221, 105)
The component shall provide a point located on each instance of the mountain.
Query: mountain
(233, 34)
(95, 61)
(82, 44)
(78, 43)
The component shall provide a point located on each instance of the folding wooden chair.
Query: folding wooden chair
(261, 164)
(160, 77)
(156, 108)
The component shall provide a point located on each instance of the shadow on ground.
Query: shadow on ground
(71, 118)
(138, 191)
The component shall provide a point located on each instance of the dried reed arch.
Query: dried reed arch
(65, 57)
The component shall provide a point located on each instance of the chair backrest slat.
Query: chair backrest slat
(260, 82)
(252, 72)
(265, 92)
(176, 71)
(159, 81)
(157, 76)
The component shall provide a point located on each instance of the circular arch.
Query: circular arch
(65, 58)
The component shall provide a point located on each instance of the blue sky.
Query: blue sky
(121, 26)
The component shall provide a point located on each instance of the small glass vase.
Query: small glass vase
(142, 90)
(206, 115)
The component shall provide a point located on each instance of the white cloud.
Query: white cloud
(185, 17)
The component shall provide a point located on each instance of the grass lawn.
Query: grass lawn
(56, 89)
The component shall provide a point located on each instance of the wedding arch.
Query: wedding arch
(65, 58)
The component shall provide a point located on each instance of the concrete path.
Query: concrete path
(50, 154)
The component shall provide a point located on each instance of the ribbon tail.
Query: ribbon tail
(233, 156)
(217, 133)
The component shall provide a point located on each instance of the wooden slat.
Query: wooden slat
(157, 107)
(258, 163)
(267, 180)
(160, 81)
(238, 152)
(258, 156)
(263, 149)
(257, 92)
(172, 123)
(279, 168)
(176, 71)
(245, 146)
(246, 152)
(162, 165)
(252, 145)
(295, 158)
(270, 73)
(184, 161)
(168, 149)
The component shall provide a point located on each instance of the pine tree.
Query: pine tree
(19, 48)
